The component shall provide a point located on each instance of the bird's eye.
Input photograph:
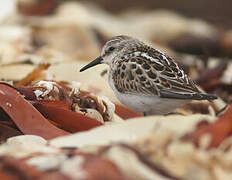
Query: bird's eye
(111, 48)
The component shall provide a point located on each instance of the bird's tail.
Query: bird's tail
(201, 96)
(190, 96)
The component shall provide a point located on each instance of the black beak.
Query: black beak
(93, 63)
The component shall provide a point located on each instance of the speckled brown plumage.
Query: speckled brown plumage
(148, 71)
(144, 78)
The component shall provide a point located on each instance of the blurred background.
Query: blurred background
(213, 11)
(160, 15)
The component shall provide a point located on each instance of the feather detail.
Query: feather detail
(148, 71)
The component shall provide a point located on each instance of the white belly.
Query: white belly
(147, 104)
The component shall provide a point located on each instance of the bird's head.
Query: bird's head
(113, 48)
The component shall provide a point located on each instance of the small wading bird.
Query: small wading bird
(145, 79)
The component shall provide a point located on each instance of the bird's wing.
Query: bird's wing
(154, 73)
